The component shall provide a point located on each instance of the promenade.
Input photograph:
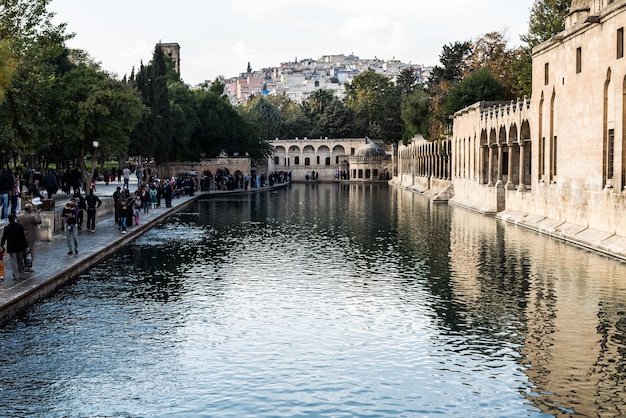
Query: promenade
(53, 267)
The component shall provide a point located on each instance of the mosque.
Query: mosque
(353, 159)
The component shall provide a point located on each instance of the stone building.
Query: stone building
(172, 50)
(556, 163)
(355, 159)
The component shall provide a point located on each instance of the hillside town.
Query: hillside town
(301, 77)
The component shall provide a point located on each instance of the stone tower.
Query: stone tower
(172, 50)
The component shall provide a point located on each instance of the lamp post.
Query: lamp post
(94, 162)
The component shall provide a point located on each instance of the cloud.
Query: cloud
(241, 51)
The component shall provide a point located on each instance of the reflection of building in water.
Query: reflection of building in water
(331, 159)
(566, 316)
(556, 163)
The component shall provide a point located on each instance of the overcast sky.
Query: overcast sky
(221, 37)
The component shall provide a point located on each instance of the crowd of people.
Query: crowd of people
(20, 236)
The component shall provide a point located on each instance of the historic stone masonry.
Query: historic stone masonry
(556, 163)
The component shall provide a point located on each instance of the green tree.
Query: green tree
(154, 136)
(34, 43)
(96, 107)
(336, 122)
(547, 18)
(491, 51)
(476, 87)
(406, 81)
(7, 67)
(184, 117)
(264, 117)
(223, 128)
(454, 60)
(415, 112)
(375, 101)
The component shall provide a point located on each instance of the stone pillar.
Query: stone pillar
(522, 186)
(500, 152)
(490, 167)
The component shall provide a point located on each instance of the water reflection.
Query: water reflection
(333, 300)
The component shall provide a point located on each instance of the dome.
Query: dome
(370, 149)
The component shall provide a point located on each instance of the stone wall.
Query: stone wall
(233, 164)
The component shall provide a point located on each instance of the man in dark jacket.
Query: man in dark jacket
(13, 235)
(50, 183)
(92, 201)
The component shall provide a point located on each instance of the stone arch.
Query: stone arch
(526, 158)
(338, 151)
(608, 134)
(323, 156)
(513, 157)
(542, 141)
(308, 155)
(280, 155)
(553, 136)
(483, 157)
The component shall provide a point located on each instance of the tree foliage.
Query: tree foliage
(7, 67)
(375, 101)
(154, 136)
(479, 86)
(96, 107)
(547, 18)
(415, 112)
(491, 52)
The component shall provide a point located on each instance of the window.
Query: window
(546, 74)
(318, 160)
(542, 153)
(554, 156)
(296, 160)
(337, 160)
(277, 160)
(620, 43)
(579, 60)
(327, 161)
(351, 151)
(610, 155)
(307, 161)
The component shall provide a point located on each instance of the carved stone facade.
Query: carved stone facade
(556, 163)
(330, 159)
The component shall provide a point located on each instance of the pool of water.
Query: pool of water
(326, 300)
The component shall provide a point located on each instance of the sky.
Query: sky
(220, 37)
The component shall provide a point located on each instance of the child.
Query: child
(137, 209)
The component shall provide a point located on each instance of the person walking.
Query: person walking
(70, 217)
(122, 211)
(6, 185)
(93, 202)
(15, 239)
(82, 207)
(30, 221)
(14, 196)
(126, 174)
(50, 183)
